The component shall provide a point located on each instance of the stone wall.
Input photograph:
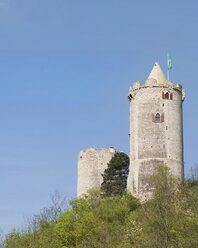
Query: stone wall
(91, 164)
(154, 143)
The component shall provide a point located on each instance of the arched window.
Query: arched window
(166, 95)
(157, 118)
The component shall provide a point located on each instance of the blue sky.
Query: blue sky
(65, 69)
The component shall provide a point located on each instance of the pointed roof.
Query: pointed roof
(157, 74)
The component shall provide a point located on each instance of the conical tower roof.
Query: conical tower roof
(157, 74)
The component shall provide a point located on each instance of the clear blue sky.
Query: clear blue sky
(65, 69)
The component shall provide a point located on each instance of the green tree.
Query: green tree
(95, 221)
(193, 179)
(40, 229)
(13, 239)
(115, 176)
(159, 213)
(169, 219)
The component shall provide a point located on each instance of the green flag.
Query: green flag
(169, 62)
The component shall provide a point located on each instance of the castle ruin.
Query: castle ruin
(91, 165)
(156, 137)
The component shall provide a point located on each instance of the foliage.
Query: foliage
(168, 220)
(115, 176)
(193, 179)
(95, 221)
(40, 230)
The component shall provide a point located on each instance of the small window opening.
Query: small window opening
(162, 117)
(130, 97)
(166, 95)
(157, 118)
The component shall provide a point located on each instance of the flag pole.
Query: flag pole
(169, 66)
(168, 73)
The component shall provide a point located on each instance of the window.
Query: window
(130, 97)
(163, 96)
(157, 118)
(166, 95)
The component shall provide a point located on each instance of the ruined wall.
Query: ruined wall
(91, 164)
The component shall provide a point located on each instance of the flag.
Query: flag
(169, 62)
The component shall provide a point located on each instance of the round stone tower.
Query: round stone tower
(156, 132)
(91, 165)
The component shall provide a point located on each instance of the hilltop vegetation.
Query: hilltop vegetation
(169, 219)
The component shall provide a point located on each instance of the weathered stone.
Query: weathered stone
(91, 165)
(156, 130)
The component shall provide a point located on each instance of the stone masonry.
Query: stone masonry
(156, 130)
(91, 165)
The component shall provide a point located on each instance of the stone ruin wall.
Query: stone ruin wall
(91, 165)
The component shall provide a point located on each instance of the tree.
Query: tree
(115, 176)
(160, 212)
(39, 231)
(95, 221)
(193, 179)
(169, 219)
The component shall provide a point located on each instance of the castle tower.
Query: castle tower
(91, 165)
(156, 132)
